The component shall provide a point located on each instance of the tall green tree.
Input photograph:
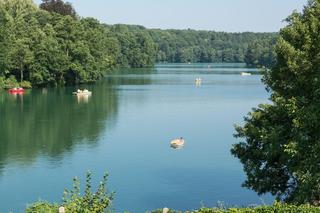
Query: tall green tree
(58, 6)
(51, 45)
(49, 48)
(20, 57)
(281, 141)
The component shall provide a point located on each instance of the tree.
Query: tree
(280, 151)
(20, 57)
(177, 46)
(58, 6)
(260, 53)
(51, 45)
(251, 55)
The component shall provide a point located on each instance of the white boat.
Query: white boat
(245, 73)
(84, 92)
(177, 143)
(198, 81)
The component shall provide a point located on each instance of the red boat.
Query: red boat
(16, 90)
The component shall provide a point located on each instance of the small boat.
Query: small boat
(245, 73)
(84, 92)
(177, 143)
(16, 90)
(198, 81)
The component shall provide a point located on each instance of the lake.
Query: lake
(48, 136)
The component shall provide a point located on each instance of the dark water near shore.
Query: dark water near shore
(48, 136)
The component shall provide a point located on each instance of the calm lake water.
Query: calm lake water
(48, 136)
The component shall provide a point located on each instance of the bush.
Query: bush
(43, 207)
(26, 85)
(2, 82)
(10, 82)
(275, 208)
(73, 201)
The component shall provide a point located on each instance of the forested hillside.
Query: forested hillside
(182, 46)
(52, 45)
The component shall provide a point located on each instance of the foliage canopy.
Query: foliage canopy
(58, 6)
(281, 146)
(47, 48)
(51, 45)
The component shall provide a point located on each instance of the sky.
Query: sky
(217, 15)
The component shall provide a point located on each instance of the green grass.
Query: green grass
(43, 207)
(276, 208)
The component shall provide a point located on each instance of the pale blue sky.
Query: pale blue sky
(218, 15)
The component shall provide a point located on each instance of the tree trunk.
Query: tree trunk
(21, 72)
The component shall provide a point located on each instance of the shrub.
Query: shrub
(73, 202)
(26, 85)
(275, 208)
(42, 207)
(11, 82)
(2, 82)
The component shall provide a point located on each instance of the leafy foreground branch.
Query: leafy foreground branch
(91, 202)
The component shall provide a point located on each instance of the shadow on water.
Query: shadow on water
(52, 121)
(130, 76)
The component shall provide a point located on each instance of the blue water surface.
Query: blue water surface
(48, 136)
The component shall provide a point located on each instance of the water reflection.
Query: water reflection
(173, 146)
(44, 91)
(125, 128)
(16, 95)
(50, 122)
(131, 77)
(83, 98)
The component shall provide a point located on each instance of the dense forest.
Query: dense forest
(181, 46)
(51, 45)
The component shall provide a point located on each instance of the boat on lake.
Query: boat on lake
(177, 143)
(198, 81)
(16, 90)
(84, 92)
(245, 73)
